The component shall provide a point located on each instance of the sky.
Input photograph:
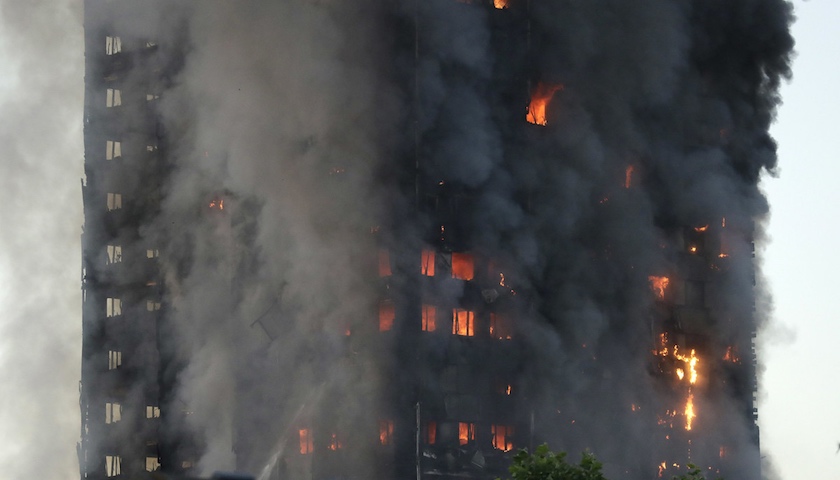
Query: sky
(798, 413)
(41, 95)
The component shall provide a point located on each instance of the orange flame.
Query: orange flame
(628, 176)
(701, 229)
(730, 355)
(539, 101)
(220, 204)
(500, 4)
(689, 411)
(658, 285)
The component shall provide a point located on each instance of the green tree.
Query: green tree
(546, 465)
(543, 464)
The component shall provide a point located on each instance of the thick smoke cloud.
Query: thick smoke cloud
(41, 58)
(321, 122)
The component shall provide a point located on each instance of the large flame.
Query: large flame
(539, 101)
(500, 4)
(658, 285)
(689, 411)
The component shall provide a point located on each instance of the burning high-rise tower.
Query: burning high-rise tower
(401, 239)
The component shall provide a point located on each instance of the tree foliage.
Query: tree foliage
(543, 464)
(546, 465)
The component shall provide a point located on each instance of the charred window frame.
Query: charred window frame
(114, 359)
(113, 201)
(114, 254)
(113, 465)
(427, 318)
(113, 149)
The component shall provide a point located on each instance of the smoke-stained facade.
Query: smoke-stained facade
(403, 239)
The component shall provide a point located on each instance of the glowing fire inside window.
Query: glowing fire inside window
(427, 263)
(463, 322)
(217, 204)
(658, 285)
(428, 318)
(306, 444)
(500, 4)
(387, 313)
(628, 176)
(386, 431)
(384, 263)
(463, 266)
(539, 102)
(466, 433)
(500, 326)
(335, 443)
(431, 432)
(502, 437)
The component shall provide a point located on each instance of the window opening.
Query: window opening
(427, 263)
(502, 437)
(114, 359)
(113, 412)
(466, 433)
(386, 432)
(463, 322)
(387, 313)
(114, 254)
(428, 318)
(500, 326)
(113, 97)
(431, 432)
(306, 444)
(113, 149)
(152, 411)
(113, 45)
(113, 307)
(152, 464)
(384, 263)
(113, 464)
(463, 266)
(114, 201)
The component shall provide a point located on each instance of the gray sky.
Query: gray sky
(41, 75)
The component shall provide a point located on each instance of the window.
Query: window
(466, 433)
(384, 263)
(113, 97)
(428, 318)
(502, 437)
(152, 464)
(335, 442)
(152, 306)
(150, 97)
(386, 315)
(427, 263)
(114, 254)
(113, 464)
(113, 45)
(500, 326)
(463, 266)
(114, 201)
(152, 411)
(113, 307)
(113, 412)
(152, 253)
(114, 359)
(113, 149)
(306, 444)
(463, 322)
(431, 432)
(151, 148)
(386, 432)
